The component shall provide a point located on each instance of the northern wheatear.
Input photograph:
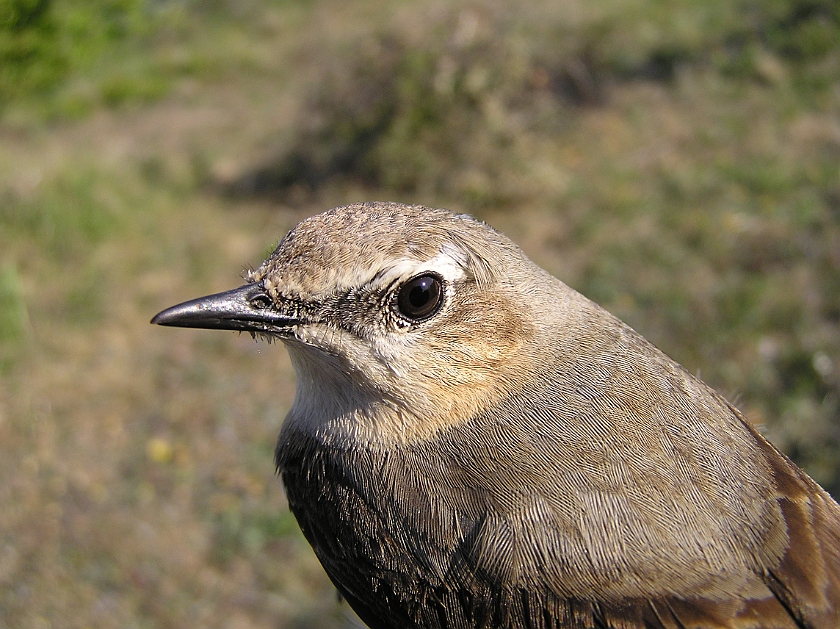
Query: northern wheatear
(474, 444)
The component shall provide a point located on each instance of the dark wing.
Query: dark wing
(807, 580)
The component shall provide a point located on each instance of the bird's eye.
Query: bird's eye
(261, 301)
(420, 297)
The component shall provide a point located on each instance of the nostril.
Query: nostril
(261, 301)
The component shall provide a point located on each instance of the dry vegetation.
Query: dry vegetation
(677, 162)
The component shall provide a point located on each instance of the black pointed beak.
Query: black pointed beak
(248, 308)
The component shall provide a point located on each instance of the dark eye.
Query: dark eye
(420, 297)
(261, 301)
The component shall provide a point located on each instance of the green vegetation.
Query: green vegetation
(677, 162)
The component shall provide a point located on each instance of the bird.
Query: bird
(473, 444)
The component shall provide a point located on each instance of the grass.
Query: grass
(676, 162)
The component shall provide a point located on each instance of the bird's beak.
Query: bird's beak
(248, 308)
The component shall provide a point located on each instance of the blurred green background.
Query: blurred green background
(678, 162)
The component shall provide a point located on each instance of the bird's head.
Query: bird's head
(399, 320)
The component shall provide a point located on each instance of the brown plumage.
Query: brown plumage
(473, 444)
